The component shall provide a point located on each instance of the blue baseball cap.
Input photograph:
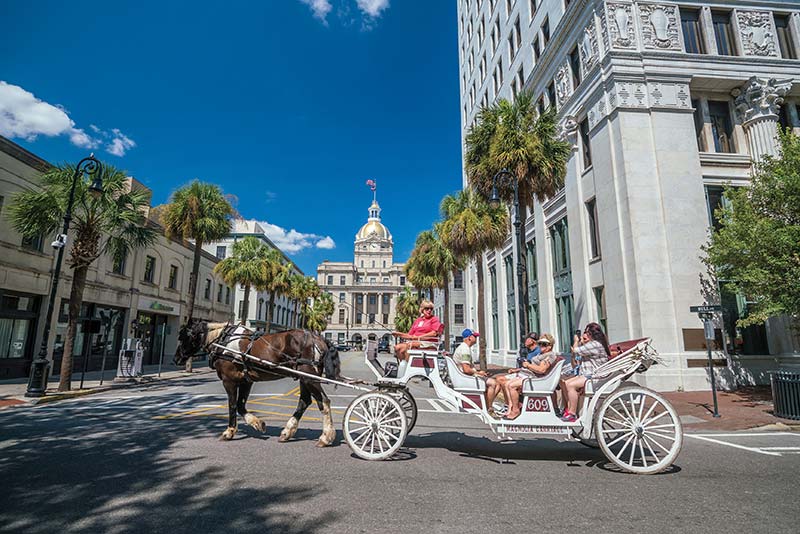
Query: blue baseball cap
(467, 332)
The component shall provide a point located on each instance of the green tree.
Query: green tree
(320, 312)
(756, 250)
(246, 266)
(113, 223)
(471, 227)
(407, 309)
(513, 136)
(279, 277)
(302, 289)
(197, 211)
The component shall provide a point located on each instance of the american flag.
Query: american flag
(372, 185)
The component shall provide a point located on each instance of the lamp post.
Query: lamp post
(37, 383)
(506, 178)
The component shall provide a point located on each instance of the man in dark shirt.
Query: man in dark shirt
(529, 350)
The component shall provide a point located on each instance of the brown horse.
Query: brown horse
(296, 349)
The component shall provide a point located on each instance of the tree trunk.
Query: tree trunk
(446, 314)
(245, 306)
(198, 247)
(75, 301)
(269, 311)
(523, 262)
(481, 317)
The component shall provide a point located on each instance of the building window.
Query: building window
(227, 295)
(594, 232)
(341, 316)
(341, 280)
(458, 313)
(384, 264)
(221, 250)
(207, 290)
(699, 129)
(373, 300)
(33, 243)
(118, 265)
(721, 126)
(219, 295)
(149, 268)
(341, 297)
(600, 301)
(692, 31)
(386, 300)
(173, 276)
(511, 312)
(330, 280)
(458, 279)
(715, 199)
(551, 95)
(537, 51)
(402, 280)
(533, 288)
(586, 146)
(723, 33)
(495, 322)
(575, 66)
(787, 46)
(359, 299)
(545, 33)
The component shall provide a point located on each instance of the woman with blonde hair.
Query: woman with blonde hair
(424, 333)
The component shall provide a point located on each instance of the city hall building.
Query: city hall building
(664, 104)
(365, 291)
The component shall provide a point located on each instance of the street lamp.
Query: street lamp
(37, 383)
(506, 178)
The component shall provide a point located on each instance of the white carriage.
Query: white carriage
(636, 428)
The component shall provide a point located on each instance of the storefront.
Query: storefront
(155, 323)
(18, 319)
(106, 343)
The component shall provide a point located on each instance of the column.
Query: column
(758, 104)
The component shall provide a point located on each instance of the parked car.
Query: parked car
(343, 348)
(383, 345)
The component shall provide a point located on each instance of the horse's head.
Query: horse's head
(332, 365)
(191, 340)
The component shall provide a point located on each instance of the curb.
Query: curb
(64, 395)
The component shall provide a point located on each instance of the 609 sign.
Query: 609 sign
(538, 404)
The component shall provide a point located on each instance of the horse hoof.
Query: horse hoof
(256, 423)
(228, 434)
(322, 443)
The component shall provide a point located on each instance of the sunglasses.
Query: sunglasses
(427, 309)
(543, 343)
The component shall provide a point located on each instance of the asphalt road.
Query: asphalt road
(149, 460)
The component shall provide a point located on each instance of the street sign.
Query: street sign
(708, 327)
(705, 308)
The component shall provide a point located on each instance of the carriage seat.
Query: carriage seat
(546, 383)
(463, 381)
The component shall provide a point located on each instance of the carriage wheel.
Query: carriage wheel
(638, 430)
(375, 426)
(408, 404)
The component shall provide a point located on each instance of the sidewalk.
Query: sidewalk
(12, 392)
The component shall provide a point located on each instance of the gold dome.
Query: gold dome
(373, 228)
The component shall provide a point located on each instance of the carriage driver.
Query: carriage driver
(424, 333)
(463, 358)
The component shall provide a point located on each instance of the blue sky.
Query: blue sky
(291, 105)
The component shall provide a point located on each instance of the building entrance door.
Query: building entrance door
(151, 332)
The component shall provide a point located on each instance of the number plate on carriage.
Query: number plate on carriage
(532, 429)
(537, 404)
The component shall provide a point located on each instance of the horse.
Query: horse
(297, 349)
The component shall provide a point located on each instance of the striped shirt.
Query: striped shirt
(592, 354)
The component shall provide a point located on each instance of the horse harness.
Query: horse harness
(229, 334)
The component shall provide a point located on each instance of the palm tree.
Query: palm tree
(471, 227)
(432, 265)
(279, 277)
(302, 289)
(113, 223)
(513, 136)
(407, 310)
(247, 266)
(320, 312)
(197, 211)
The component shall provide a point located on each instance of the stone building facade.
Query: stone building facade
(143, 296)
(664, 104)
(365, 291)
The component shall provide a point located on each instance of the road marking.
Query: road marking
(746, 434)
(734, 445)
(786, 449)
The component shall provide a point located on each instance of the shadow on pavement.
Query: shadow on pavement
(128, 473)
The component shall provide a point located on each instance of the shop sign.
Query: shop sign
(146, 304)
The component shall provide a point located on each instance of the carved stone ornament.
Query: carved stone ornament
(588, 47)
(568, 129)
(659, 27)
(755, 29)
(760, 98)
(620, 25)
(563, 84)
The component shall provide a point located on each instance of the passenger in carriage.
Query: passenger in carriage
(424, 333)
(463, 358)
(539, 365)
(589, 352)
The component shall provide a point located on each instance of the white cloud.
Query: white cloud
(320, 8)
(22, 115)
(372, 8)
(326, 243)
(119, 144)
(291, 241)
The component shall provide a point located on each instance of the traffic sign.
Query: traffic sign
(705, 309)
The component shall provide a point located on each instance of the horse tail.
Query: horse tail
(332, 365)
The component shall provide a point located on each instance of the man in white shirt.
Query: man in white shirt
(463, 358)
